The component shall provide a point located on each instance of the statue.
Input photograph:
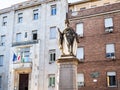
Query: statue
(68, 40)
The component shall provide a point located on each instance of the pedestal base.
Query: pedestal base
(67, 72)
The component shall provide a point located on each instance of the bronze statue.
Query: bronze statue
(68, 40)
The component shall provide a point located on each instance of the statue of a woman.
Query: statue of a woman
(68, 40)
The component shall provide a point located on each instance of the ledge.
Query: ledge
(24, 43)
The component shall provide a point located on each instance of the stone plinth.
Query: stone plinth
(67, 71)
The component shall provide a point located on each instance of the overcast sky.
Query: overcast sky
(8, 3)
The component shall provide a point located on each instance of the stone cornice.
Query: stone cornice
(23, 5)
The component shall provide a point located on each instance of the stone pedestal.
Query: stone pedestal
(67, 72)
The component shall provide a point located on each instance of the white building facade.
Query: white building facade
(28, 46)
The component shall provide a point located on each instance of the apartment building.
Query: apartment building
(97, 23)
(28, 46)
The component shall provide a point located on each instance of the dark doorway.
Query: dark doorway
(23, 81)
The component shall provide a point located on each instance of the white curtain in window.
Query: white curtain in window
(80, 77)
(79, 28)
(110, 48)
(108, 22)
(80, 53)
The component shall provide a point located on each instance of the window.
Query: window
(25, 54)
(34, 35)
(53, 10)
(52, 55)
(25, 34)
(4, 21)
(51, 80)
(20, 17)
(0, 81)
(35, 14)
(79, 29)
(53, 32)
(2, 40)
(108, 25)
(1, 60)
(18, 37)
(80, 79)
(110, 51)
(80, 53)
(111, 79)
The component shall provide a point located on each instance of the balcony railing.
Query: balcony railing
(24, 43)
(23, 63)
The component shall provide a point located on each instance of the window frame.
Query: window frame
(108, 27)
(18, 37)
(109, 81)
(3, 37)
(53, 10)
(34, 32)
(110, 54)
(51, 80)
(4, 23)
(1, 60)
(53, 32)
(82, 81)
(20, 17)
(80, 31)
(35, 14)
(0, 81)
(52, 55)
(83, 52)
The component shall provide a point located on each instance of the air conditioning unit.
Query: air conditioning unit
(80, 84)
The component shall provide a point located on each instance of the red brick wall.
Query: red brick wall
(94, 43)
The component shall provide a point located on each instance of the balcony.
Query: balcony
(24, 43)
(23, 64)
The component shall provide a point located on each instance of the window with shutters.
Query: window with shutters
(80, 54)
(51, 80)
(79, 29)
(80, 79)
(108, 24)
(110, 51)
(111, 79)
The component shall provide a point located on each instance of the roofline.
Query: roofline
(80, 2)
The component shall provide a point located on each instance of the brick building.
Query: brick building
(99, 48)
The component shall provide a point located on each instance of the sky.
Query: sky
(8, 3)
